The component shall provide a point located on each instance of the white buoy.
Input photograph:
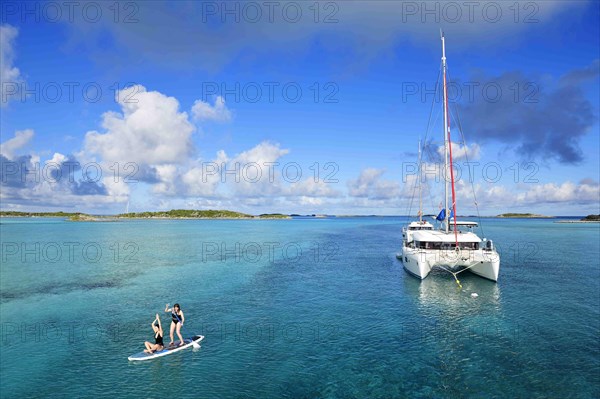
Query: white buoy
(474, 295)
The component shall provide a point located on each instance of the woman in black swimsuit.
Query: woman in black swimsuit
(177, 320)
(158, 337)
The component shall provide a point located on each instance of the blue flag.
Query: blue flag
(442, 215)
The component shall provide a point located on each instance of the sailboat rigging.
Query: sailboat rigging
(454, 247)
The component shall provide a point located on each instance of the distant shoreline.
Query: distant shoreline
(166, 215)
(231, 215)
(577, 221)
(587, 219)
(524, 216)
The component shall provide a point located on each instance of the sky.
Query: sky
(298, 107)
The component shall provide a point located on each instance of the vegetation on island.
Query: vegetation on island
(198, 214)
(591, 218)
(38, 214)
(82, 217)
(522, 215)
(172, 214)
(215, 214)
(187, 214)
(274, 216)
(72, 216)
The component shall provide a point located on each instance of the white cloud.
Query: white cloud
(252, 177)
(8, 72)
(262, 153)
(310, 201)
(22, 137)
(370, 191)
(254, 173)
(57, 159)
(203, 178)
(152, 132)
(149, 131)
(45, 195)
(536, 198)
(168, 176)
(218, 112)
(311, 189)
(369, 185)
(117, 189)
(263, 159)
(53, 185)
(460, 151)
(567, 192)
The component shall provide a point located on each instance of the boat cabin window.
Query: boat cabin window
(420, 228)
(439, 245)
(461, 228)
(428, 245)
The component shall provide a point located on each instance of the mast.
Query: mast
(420, 191)
(448, 151)
(446, 213)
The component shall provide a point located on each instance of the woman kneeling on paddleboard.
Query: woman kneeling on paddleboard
(158, 337)
(177, 320)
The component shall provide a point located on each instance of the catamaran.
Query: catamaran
(452, 247)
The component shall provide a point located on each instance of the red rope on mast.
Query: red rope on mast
(451, 168)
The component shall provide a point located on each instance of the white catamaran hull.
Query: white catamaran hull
(420, 262)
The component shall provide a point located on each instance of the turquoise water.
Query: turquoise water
(295, 309)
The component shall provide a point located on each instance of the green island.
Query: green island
(586, 219)
(187, 214)
(274, 216)
(591, 218)
(17, 214)
(523, 215)
(172, 214)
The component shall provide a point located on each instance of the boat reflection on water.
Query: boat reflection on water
(450, 318)
(438, 291)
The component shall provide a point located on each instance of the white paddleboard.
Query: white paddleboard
(167, 349)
